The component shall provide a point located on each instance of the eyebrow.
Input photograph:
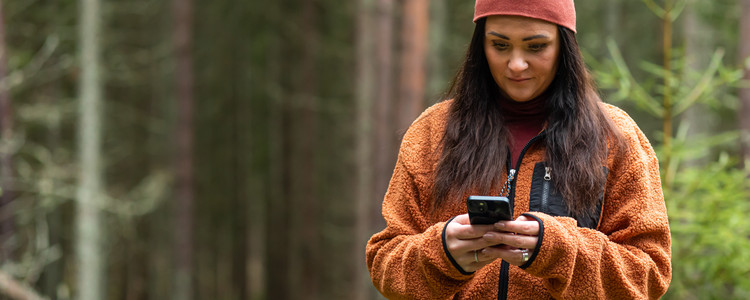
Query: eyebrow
(533, 37)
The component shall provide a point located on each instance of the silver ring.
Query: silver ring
(525, 255)
(476, 258)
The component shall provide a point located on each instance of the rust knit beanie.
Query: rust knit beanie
(561, 12)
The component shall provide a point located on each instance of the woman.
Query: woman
(525, 122)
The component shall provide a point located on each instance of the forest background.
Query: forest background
(241, 149)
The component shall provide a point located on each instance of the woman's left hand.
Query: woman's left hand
(513, 239)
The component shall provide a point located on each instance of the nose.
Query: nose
(517, 63)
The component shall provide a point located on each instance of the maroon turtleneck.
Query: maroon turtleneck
(524, 121)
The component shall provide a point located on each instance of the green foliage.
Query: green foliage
(708, 211)
(707, 198)
(690, 87)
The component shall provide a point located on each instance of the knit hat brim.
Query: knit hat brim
(561, 12)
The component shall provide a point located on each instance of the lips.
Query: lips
(519, 80)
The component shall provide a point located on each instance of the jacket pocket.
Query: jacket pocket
(547, 199)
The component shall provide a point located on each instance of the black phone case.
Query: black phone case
(488, 209)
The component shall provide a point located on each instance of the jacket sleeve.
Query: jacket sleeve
(407, 260)
(629, 256)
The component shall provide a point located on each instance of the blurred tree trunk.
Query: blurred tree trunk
(277, 248)
(264, 126)
(612, 22)
(385, 149)
(281, 167)
(183, 280)
(744, 111)
(6, 157)
(698, 49)
(241, 169)
(90, 227)
(413, 59)
(365, 94)
(306, 204)
(438, 78)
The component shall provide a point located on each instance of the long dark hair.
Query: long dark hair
(475, 144)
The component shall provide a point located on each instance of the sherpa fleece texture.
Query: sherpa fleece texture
(626, 257)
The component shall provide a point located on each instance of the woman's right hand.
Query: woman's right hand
(465, 243)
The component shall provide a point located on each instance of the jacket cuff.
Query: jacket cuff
(555, 252)
(448, 254)
(538, 243)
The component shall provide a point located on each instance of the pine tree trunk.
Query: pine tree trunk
(259, 189)
(611, 21)
(384, 142)
(438, 77)
(698, 48)
(277, 220)
(309, 254)
(744, 111)
(413, 59)
(365, 94)
(183, 280)
(6, 159)
(90, 227)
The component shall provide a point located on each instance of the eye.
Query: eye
(499, 45)
(537, 47)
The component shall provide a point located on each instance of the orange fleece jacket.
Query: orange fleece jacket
(626, 257)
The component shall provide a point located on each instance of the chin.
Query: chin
(520, 98)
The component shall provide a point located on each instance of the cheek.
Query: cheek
(496, 65)
(551, 62)
(547, 65)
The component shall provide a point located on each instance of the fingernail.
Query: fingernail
(500, 225)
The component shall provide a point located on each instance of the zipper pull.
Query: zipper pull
(547, 173)
(505, 191)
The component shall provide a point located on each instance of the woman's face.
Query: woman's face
(522, 54)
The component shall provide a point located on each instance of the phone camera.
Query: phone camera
(478, 207)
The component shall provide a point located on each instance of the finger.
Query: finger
(511, 255)
(461, 228)
(473, 266)
(522, 225)
(484, 255)
(465, 232)
(459, 246)
(462, 219)
(513, 240)
(476, 260)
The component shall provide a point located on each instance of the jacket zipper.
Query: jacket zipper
(502, 290)
(545, 187)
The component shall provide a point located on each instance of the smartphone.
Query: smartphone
(488, 209)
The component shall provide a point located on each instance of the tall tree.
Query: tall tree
(412, 81)
(698, 50)
(384, 156)
(6, 158)
(308, 203)
(438, 38)
(90, 227)
(277, 221)
(744, 110)
(365, 94)
(183, 16)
